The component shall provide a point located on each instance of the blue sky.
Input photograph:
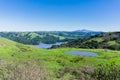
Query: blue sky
(59, 15)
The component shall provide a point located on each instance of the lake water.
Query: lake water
(82, 53)
(43, 45)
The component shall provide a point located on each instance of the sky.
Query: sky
(59, 15)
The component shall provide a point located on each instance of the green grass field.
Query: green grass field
(54, 59)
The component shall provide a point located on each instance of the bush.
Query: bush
(78, 73)
(26, 70)
(100, 72)
(107, 72)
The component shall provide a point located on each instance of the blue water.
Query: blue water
(43, 45)
(82, 53)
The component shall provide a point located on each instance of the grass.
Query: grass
(60, 37)
(97, 39)
(112, 43)
(54, 60)
(53, 55)
(33, 35)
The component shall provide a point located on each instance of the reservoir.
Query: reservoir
(43, 45)
(82, 53)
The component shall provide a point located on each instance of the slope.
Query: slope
(109, 40)
(17, 59)
(48, 37)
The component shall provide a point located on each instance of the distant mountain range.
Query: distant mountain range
(48, 37)
(110, 40)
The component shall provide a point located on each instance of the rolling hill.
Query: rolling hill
(48, 37)
(17, 59)
(21, 62)
(110, 40)
(12, 49)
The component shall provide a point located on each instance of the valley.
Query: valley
(59, 39)
(47, 37)
(60, 63)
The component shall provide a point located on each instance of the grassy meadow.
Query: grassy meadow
(17, 60)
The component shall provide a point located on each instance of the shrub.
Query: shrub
(100, 72)
(26, 70)
(107, 72)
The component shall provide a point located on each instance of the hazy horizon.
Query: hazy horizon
(56, 30)
(59, 15)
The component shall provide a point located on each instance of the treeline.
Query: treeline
(102, 41)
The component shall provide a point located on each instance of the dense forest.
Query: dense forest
(48, 37)
(110, 40)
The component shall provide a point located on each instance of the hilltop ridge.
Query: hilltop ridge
(47, 37)
(109, 40)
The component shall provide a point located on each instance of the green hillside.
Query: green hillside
(17, 61)
(48, 37)
(109, 40)
(16, 51)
